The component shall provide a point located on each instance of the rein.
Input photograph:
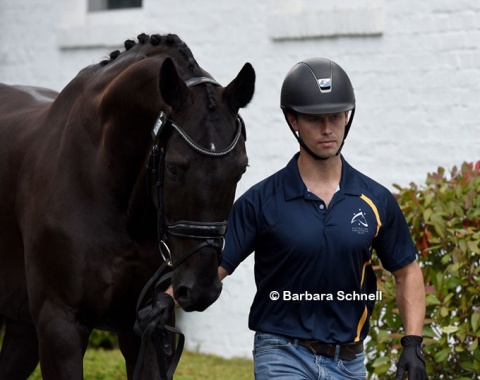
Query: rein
(210, 234)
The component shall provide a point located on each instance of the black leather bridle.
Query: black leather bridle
(209, 234)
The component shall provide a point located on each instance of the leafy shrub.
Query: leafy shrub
(444, 217)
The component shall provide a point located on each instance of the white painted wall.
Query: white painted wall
(414, 65)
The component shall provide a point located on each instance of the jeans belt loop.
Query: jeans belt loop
(337, 353)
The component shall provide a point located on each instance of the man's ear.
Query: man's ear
(292, 119)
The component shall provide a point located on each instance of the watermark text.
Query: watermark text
(286, 295)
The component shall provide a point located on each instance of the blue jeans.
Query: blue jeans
(278, 358)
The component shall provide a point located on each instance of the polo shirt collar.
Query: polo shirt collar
(295, 188)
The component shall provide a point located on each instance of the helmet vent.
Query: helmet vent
(325, 85)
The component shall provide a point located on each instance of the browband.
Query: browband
(200, 80)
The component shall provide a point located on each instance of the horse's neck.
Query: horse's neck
(114, 112)
(124, 157)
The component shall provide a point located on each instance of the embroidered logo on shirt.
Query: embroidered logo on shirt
(359, 222)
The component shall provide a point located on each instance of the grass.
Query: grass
(109, 365)
(101, 364)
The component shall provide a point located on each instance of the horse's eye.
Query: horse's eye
(172, 170)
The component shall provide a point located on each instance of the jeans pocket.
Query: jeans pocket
(354, 368)
(266, 342)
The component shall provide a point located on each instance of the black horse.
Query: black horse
(141, 150)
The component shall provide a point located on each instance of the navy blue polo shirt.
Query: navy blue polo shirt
(313, 267)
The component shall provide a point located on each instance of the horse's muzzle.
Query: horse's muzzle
(197, 297)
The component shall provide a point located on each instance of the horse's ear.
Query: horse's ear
(240, 91)
(173, 89)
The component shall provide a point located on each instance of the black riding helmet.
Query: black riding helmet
(317, 86)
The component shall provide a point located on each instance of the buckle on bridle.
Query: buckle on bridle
(167, 257)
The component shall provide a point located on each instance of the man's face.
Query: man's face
(323, 134)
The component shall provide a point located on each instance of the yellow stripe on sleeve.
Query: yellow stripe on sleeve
(375, 211)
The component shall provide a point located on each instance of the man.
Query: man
(313, 226)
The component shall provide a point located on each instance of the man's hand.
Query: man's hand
(411, 360)
(169, 291)
(154, 315)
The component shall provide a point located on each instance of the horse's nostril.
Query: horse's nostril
(182, 294)
(196, 298)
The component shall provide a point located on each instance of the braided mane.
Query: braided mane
(172, 41)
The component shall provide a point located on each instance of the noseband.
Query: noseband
(210, 234)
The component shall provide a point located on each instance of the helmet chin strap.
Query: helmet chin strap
(308, 150)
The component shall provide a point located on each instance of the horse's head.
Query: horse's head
(157, 90)
(198, 153)
(202, 157)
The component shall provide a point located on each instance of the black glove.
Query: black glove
(152, 318)
(411, 359)
(150, 326)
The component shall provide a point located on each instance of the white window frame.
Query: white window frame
(102, 5)
(100, 29)
(310, 19)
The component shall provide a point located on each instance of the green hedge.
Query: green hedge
(444, 216)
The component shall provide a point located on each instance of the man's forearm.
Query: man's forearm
(411, 298)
